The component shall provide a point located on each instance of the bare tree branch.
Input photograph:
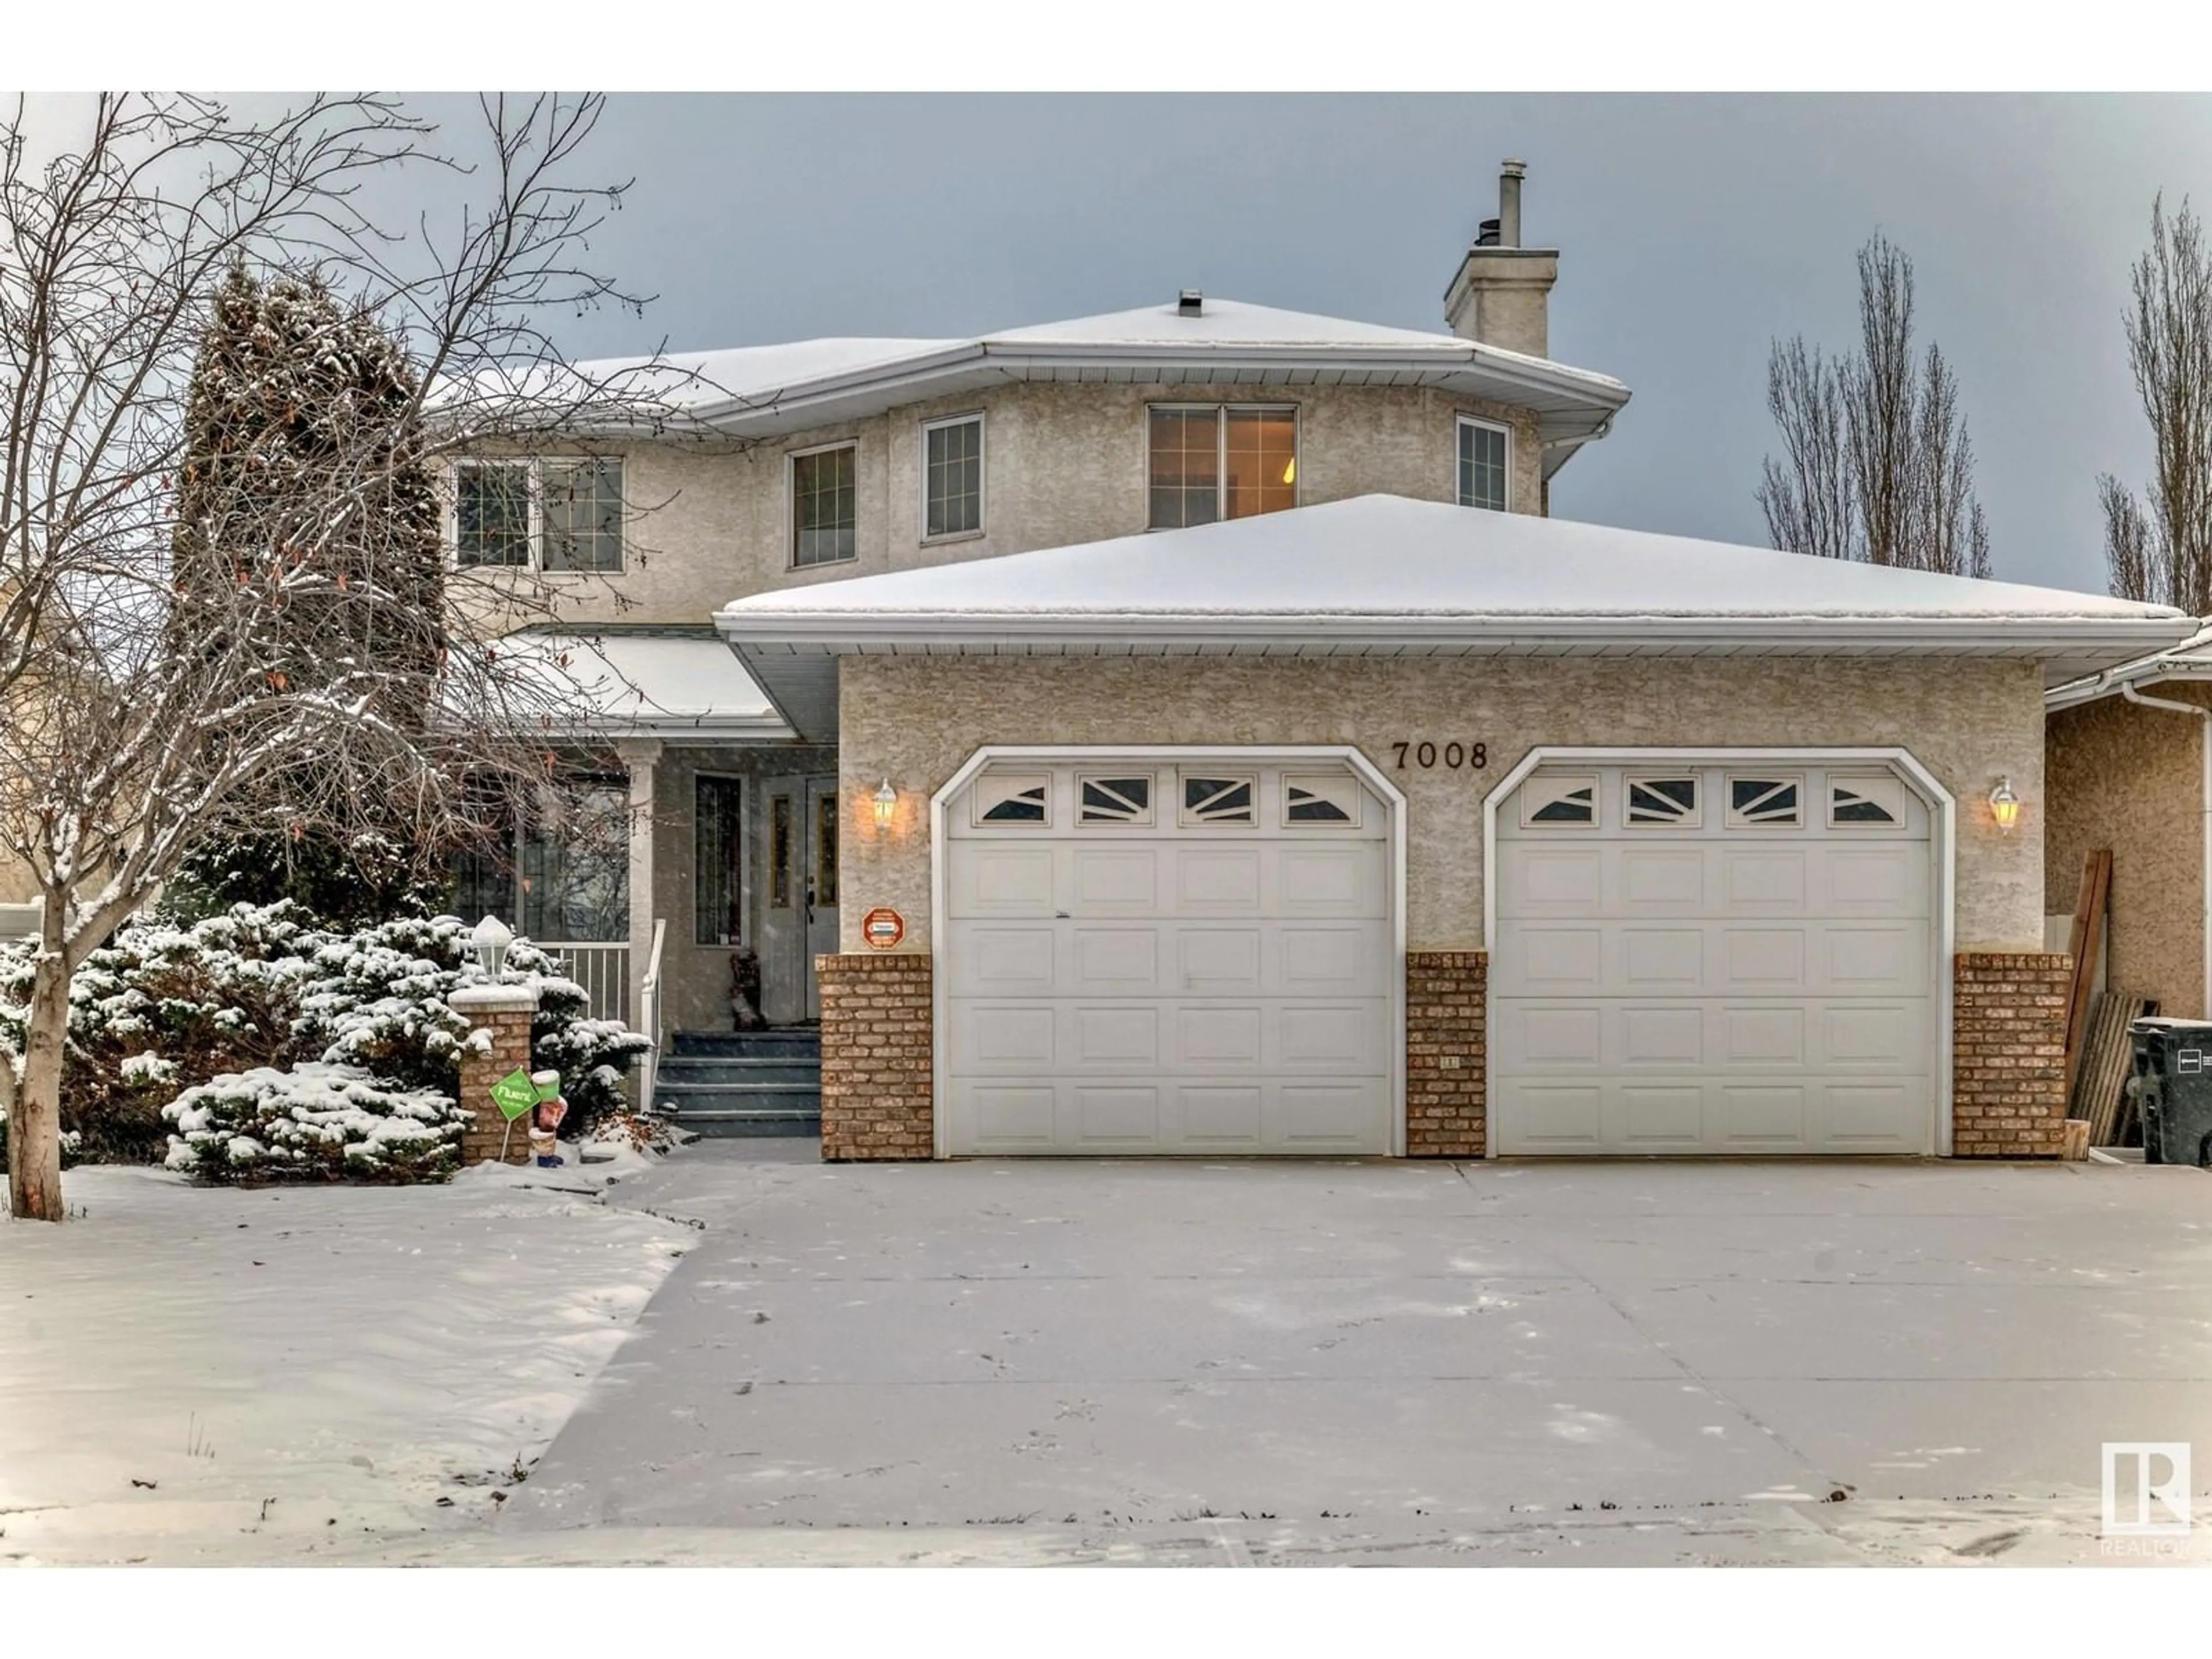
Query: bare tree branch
(134, 723)
(2133, 558)
(2167, 547)
(1876, 462)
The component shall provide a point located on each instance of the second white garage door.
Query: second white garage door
(1142, 957)
(1713, 959)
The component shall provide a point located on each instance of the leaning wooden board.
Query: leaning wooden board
(2107, 1055)
(2083, 943)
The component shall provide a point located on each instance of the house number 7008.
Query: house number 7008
(1452, 757)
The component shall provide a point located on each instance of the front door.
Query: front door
(800, 843)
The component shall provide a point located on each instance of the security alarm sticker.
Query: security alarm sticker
(883, 928)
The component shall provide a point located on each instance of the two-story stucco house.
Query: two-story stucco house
(1185, 731)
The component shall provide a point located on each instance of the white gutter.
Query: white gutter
(887, 382)
(839, 627)
(2075, 693)
(2205, 834)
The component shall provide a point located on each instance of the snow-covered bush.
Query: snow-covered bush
(163, 1008)
(159, 1005)
(381, 1004)
(313, 1121)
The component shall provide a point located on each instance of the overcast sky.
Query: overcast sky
(1692, 230)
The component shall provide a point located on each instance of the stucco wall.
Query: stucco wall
(2129, 779)
(916, 719)
(1062, 464)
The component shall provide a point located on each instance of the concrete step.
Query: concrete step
(678, 1089)
(781, 1042)
(746, 1068)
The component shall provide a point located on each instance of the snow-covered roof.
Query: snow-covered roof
(1384, 575)
(650, 682)
(2190, 660)
(763, 391)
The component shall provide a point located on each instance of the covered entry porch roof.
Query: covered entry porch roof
(677, 683)
(1383, 575)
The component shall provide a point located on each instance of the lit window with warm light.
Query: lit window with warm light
(1486, 453)
(1215, 461)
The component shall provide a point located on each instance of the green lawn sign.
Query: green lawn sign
(514, 1094)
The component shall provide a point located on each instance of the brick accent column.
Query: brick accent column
(2008, 1054)
(499, 1016)
(876, 1056)
(1447, 1053)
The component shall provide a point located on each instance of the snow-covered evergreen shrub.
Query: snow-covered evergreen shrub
(384, 1007)
(313, 1122)
(162, 1005)
(164, 1008)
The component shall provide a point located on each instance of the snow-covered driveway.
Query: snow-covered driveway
(192, 1374)
(1151, 1362)
(1285, 1362)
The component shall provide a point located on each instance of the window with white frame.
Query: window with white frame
(1220, 461)
(550, 515)
(823, 511)
(953, 476)
(1485, 453)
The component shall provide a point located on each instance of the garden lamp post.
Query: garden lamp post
(491, 938)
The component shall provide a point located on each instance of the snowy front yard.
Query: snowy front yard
(194, 1375)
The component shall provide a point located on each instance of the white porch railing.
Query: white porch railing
(648, 1063)
(602, 968)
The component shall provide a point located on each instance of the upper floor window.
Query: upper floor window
(953, 476)
(1221, 462)
(538, 514)
(822, 512)
(1486, 453)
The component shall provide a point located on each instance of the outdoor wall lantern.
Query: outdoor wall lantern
(491, 938)
(2004, 806)
(886, 804)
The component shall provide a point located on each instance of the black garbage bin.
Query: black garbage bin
(2174, 1089)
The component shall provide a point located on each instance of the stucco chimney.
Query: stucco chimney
(1501, 293)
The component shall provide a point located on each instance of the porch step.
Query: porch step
(742, 1068)
(743, 1082)
(776, 1040)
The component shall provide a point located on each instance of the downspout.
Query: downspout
(2205, 834)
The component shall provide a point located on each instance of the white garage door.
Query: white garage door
(1156, 958)
(1713, 959)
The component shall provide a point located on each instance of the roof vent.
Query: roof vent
(1190, 303)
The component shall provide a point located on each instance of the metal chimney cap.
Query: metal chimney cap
(1190, 302)
(1515, 167)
